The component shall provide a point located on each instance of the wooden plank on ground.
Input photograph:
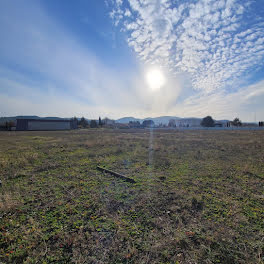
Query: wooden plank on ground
(118, 175)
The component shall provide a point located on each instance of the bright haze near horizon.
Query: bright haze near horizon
(138, 58)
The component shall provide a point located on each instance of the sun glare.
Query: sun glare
(155, 79)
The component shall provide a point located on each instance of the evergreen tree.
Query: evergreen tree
(83, 122)
(93, 124)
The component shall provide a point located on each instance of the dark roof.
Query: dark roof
(22, 124)
(45, 120)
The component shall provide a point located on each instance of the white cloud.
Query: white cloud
(244, 103)
(128, 13)
(205, 38)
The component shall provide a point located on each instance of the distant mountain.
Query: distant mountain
(51, 117)
(157, 120)
(194, 121)
(26, 117)
(162, 119)
(126, 120)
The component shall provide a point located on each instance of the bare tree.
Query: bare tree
(236, 122)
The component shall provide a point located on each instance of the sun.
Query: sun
(155, 79)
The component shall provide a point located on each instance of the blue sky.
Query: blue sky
(91, 58)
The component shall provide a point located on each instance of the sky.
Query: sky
(105, 57)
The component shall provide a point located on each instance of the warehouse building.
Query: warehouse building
(45, 124)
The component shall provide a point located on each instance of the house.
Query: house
(45, 124)
(218, 125)
(122, 126)
(134, 124)
(107, 121)
(188, 122)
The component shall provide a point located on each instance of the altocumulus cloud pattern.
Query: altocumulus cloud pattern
(215, 42)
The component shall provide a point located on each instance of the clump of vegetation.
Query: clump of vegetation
(7, 125)
(83, 123)
(207, 122)
(93, 124)
(236, 122)
(148, 123)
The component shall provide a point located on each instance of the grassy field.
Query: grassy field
(198, 197)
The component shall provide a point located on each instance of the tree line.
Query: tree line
(208, 121)
(84, 123)
(8, 125)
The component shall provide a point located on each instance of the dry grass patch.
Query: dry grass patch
(9, 201)
(198, 197)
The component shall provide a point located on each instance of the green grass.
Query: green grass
(198, 197)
